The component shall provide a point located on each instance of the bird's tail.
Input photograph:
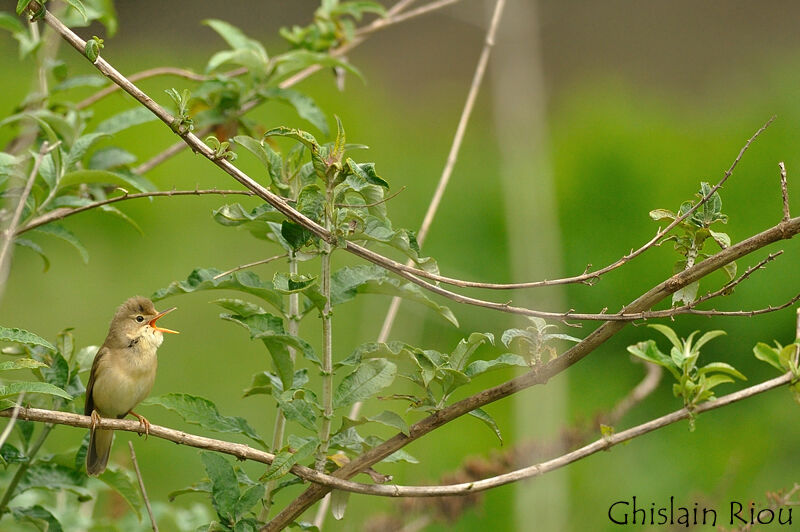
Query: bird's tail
(99, 449)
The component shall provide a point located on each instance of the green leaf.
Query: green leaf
(243, 308)
(125, 119)
(686, 295)
(366, 173)
(349, 281)
(659, 214)
(669, 333)
(294, 60)
(53, 477)
(285, 459)
(770, 355)
(298, 410)
(122, 179)
(305, 106)
(21, 5)
(21, 336)
(81, 146)
(202, 486)
(387, 417)
(715, 380)
(119, 481)
(224, 485)
(91, 80)
(369, 378)
(249, 498)
(377, 350)
(11, 23)
(36, 248)
(57, 373)
(267, 156)
(243, 281)
(39, 516)
(111, 157)
(466, 347)
(649, 351)
(200, 411)
(59, 231)
(488, 420)
(21, 363)
(78, 6)
(15, 388)
(710, 335)
(286, 283)
(721, 367)
(232, 35)
(506, 360)
(400, 456)
(722, 239)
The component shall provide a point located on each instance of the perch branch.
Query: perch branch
(245, 452)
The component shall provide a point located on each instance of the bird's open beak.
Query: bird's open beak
(153, 321)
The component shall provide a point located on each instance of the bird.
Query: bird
(123, 373)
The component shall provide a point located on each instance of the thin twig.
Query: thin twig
(63, 212)
(382, 23)
(245, 452)
(7, 431)
(250, 265)
(142, 488)
(588, 277)
(645, 387)
(732, 284)
(10, 231)
(452, 157)
(784, 192)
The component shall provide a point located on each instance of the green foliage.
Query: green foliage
(93, 47)
(695, 231)
(200, 411)
(183, 123)
(784, 359)
(694, 384)
(531, 343)
(233, 506)
(333, 26)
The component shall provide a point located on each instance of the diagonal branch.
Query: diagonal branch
(141, 487)
(542, 374)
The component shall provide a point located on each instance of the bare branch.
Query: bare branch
(142, 488)
(645, 387)
(61, 213)
(250, 265)
(390, 20)
(784, 192)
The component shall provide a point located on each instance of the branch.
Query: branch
(539, 375)
(788, 229)
(784, 192)
(245, 452)
(61, 213)
(141, 487)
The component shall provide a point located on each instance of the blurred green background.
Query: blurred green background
(638, 103)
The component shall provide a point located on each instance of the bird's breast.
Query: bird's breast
(124, 380)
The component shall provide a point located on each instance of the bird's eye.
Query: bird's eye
(140, 319)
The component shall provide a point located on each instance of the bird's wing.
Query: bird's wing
(89, 406)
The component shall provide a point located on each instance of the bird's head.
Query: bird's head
(136, 318)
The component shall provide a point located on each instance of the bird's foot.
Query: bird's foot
(143, 421)
(95, 419)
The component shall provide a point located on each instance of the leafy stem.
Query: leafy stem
(327, 342)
